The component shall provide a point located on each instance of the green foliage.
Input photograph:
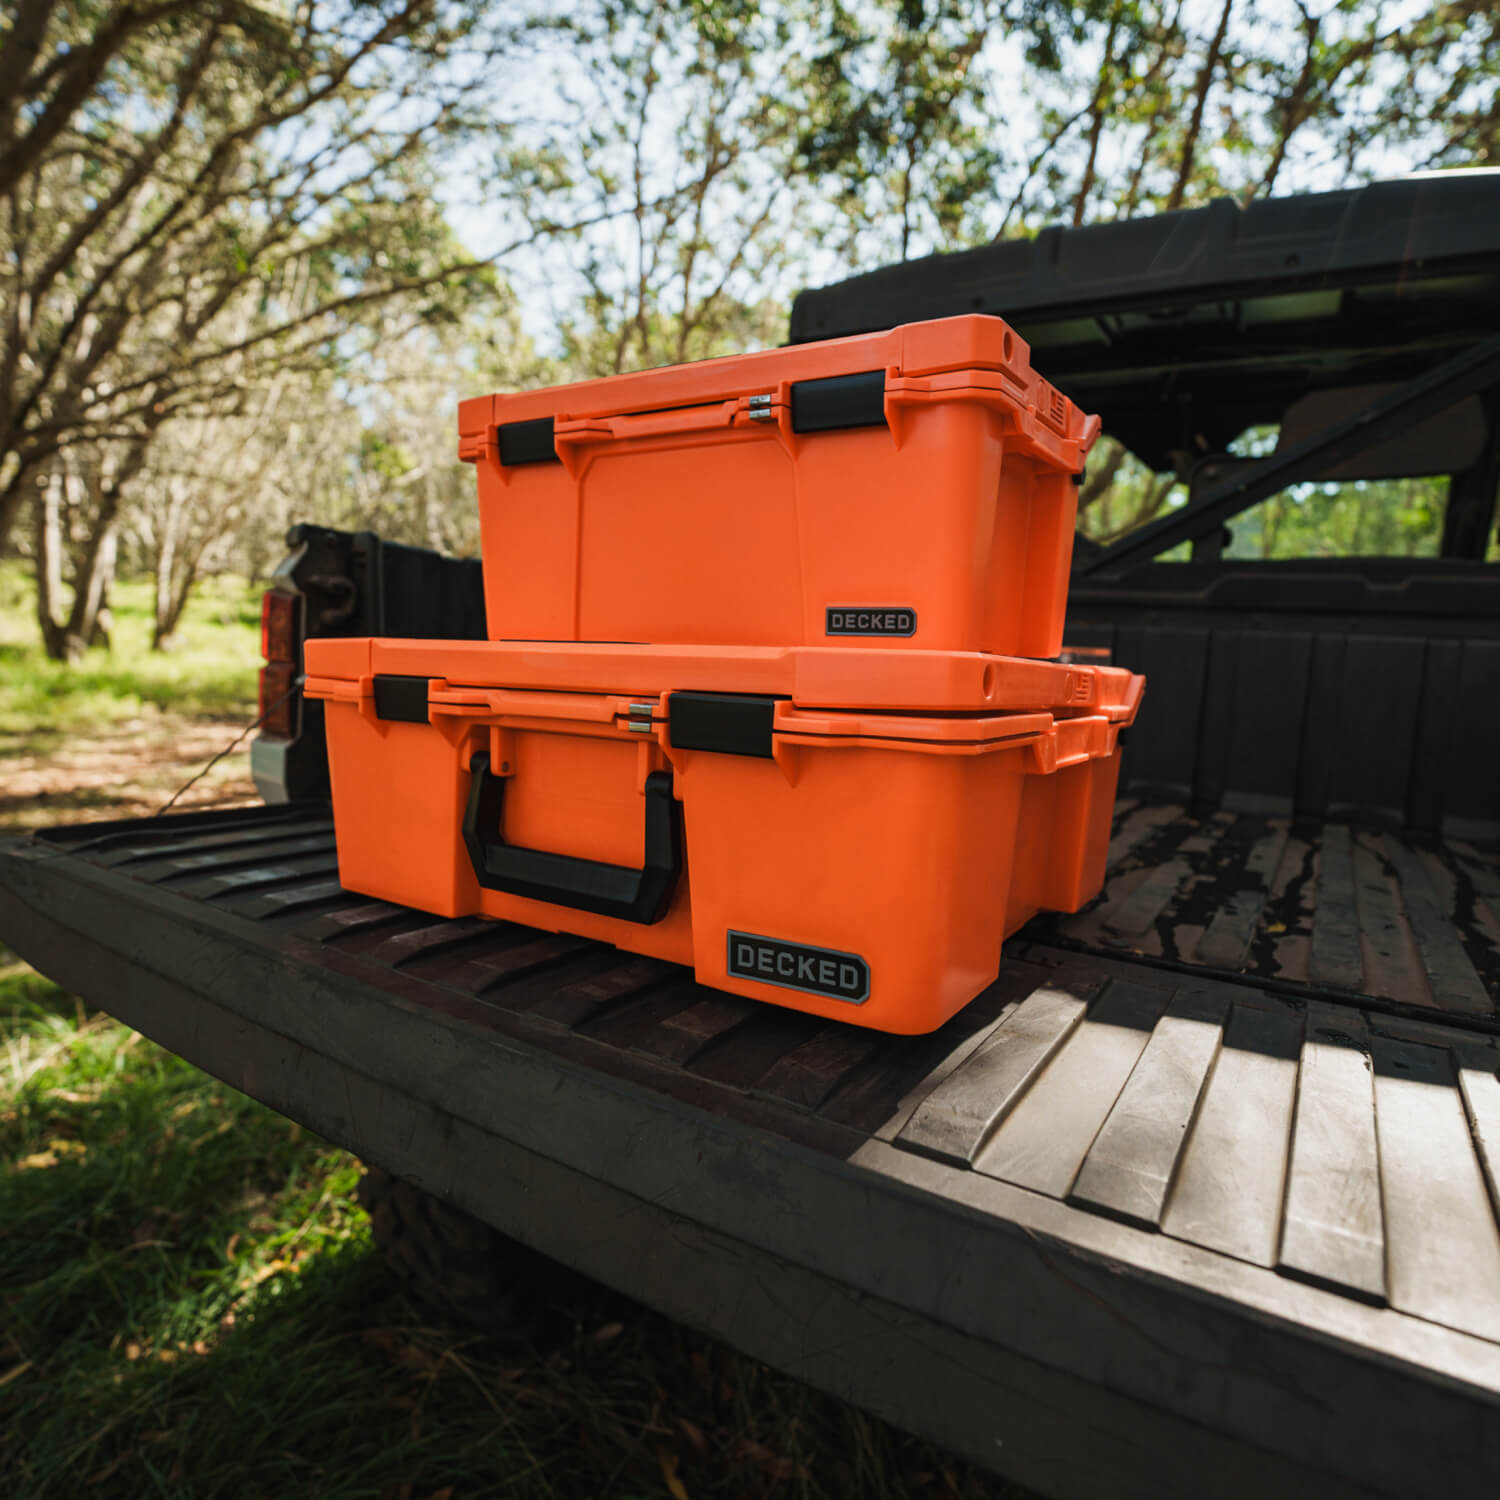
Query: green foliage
(211, 672)
(1121, 493)
(201, 203)
(1362, 518)
(659, 169)
(895, 116)
(1357, 518)
(253, 225)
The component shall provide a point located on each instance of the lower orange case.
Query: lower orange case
(859, 865)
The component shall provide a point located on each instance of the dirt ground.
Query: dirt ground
(126, 770)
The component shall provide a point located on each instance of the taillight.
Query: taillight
(278, 698)
(278, 626)
(278, 678)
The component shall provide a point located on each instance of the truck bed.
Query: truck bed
(1200, 1196)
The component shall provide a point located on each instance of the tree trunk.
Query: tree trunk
(165, 617)
(88, 623)
(48, 546)
(12, 497)
(1097, 482)
(178, 590)
(88, 620)
(906, 206)
(1201, 90)
(170, 617)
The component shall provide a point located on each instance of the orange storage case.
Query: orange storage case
(739, 811)
(917, 487)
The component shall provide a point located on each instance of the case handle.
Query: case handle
(585, 884)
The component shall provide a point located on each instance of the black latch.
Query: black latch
(731, 723)
(402, 700)
(527, 442)
(839, 401)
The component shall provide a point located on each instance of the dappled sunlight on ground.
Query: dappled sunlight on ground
(121, 770)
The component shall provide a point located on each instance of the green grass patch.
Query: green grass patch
(210, 670)
(191, 1306)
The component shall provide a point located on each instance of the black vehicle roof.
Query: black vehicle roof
(1184, 329)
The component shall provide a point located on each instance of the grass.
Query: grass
(210, 672)
(192, 1306)
(190, 1301)
(118, 732)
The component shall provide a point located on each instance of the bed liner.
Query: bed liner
(1205, 1183)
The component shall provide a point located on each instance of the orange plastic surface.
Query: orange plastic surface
(680, 513)
(915, 843)
(853, 677)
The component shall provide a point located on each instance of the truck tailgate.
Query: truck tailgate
(1199, 1195)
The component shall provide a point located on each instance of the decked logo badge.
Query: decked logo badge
(798, 966)
(871, 619)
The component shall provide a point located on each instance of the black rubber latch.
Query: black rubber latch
(839, 401)
(402, 700)
(527, 442)
(731, 723)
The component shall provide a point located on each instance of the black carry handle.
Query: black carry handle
(586, 884)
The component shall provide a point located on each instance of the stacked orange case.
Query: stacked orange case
(733, 810)
(915, 486)
(757, 695)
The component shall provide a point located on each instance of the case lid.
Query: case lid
(819, 387)
(868, 680)
(757, 726)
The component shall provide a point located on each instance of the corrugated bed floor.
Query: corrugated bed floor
(1273, 1042)
(1323, 908)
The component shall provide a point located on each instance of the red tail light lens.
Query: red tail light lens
(278, 699)
(278, 626)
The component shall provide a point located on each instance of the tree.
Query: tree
(236, 210)
(1246, 98)
(669, 142)
(396, 469)
(895, 114)
(165, 167)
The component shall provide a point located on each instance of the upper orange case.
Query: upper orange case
(913, 489)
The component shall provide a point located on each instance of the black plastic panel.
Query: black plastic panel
(839, 401)
(527, 442)
(1189, 327)
(353, 583)
(731, 723)
(1408, 595)
(1316, 722)
(401, 700)
(426, 596)
(1269, 701)
(1287, 244)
